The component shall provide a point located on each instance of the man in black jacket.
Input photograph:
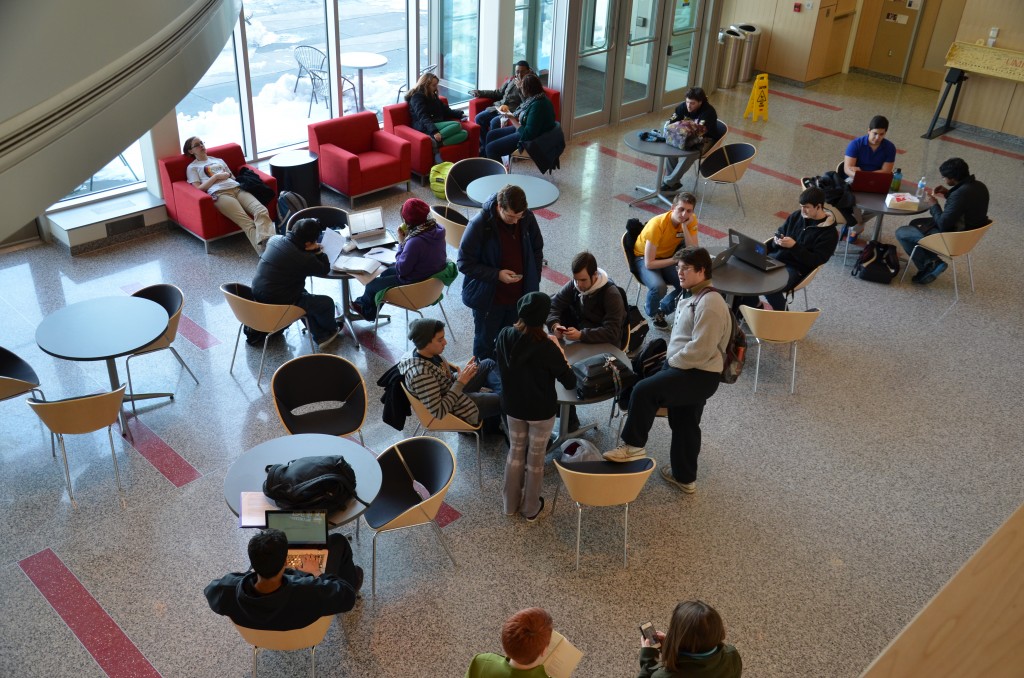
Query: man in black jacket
(966, 209)
(273, 597)
(281, 277)
(590, 307)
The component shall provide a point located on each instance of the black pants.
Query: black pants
(684, 393)
(339, 559)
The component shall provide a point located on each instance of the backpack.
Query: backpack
(634, 326)
(316, 483)
(877, 263)
(648, 361)
(601, 375)
(735, 353)
(288, 203)
(837, 193)
(438, 177)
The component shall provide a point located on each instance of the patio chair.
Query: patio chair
(283, 641)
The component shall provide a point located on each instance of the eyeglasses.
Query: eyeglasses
(685, 269)
(197, 143)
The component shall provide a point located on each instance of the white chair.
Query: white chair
(413, 297)
(778, 327)
(802, 285)
(285, 641)
(952, 244)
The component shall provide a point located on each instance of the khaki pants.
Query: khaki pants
(249, 213)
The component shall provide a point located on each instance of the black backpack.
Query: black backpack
(288, 203)
(837, 193)
(648, 361)
(315, 483)
(634, 326)
(878, 262)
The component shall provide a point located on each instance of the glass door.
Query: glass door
(595, 60)
(684, 36)
(639, 73)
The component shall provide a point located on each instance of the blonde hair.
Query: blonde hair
(421, 86)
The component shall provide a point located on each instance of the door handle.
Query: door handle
(668, 52)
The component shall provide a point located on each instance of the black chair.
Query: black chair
(463, 173)
(330, 217)
(320, 393)
(628, 243)
(18, 378)
(416, 474)
(172, 299)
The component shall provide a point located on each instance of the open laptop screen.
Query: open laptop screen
(304, 529)
(367, 222)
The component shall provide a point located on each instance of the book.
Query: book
(355, 264)
(254, 507)
(901, 201)
(561, 657)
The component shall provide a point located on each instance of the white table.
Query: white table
(361, 61)
(539, 192)
(662, 151)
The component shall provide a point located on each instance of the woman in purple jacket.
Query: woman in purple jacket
(421, 254)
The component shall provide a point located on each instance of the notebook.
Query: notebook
(871, 182)
(333, 244)
(367, 230)
(753, 252)
(307, 535)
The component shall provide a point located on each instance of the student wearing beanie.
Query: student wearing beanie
(281, 278)
(529, 361)
(421, 254)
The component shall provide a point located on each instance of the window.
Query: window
(532, 38)
(124, 170)
(211, 111)
(455, 51)
(379, 30)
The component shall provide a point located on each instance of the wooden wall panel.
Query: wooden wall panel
(1014, 123)
(866, 29)
(790, 48)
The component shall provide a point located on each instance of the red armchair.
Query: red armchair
(398, 122)
(480, 103)
(193, 209)
(356, 157)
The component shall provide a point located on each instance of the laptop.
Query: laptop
(871, 182)
(307, 536)
(753, 252)
(722, 257)
(367, 230)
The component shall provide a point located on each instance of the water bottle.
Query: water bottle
(897, 180)
(920, 187)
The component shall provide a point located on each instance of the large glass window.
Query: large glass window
(376, 35)
(532, 37)
(124, 170)
(458, 24)
(211, 111)
(288, 73)
(677, 75)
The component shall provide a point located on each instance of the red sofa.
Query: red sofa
(356, 157)
(193, 209)
(480, 103)
(398, 122)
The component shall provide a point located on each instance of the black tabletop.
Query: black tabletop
(741, 279)
(248, 472)
(655, 148)
(293, 159)
(100, 329)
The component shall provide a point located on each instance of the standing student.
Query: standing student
(693, 647)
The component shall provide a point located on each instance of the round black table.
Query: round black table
(660, 150)
(874, 203)
(299, 172)
(737, 278)
(102, 329)
(539, 192)
(248, 472)
(576, 351)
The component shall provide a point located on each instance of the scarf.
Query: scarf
(523, 107)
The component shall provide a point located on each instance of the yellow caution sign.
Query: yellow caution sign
(758, 103)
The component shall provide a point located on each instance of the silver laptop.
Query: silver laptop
(367, 230)
(722, 257)
(307, 536)
(753, 252)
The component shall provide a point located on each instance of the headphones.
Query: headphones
(652, 136)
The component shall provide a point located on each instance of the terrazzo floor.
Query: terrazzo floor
(823, 521)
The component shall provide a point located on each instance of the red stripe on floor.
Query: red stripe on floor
(812, 102)
(114, 651)
(446, 515)
(554, 276)
(841, 135)
(653, 209)
(713, 232)
(745, 133)
(171, 465)
(545, 213)
(982, 147)
(195, 333)
(365, 337)
(782, 215)
(777, 175)
(627, 158)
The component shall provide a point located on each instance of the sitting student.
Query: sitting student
(805, 241)
(534, 117)
(272, 597)
(508, 96)
(421, 254)
(213, 176)
(966, 209)
(869, 153)
(444, 388)
(654, 250)
(281, 277)
(524, 637)
(693, 646)
(434, 117)
(590, 307)
(695, 107)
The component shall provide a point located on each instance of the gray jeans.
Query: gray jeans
(524, 468)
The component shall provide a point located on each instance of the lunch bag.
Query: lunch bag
(438, 176)
(878, 262)
(601, 375)
(317, 483)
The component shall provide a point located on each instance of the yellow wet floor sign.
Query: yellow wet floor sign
(758, 103)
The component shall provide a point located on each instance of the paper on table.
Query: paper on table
(254, 509)
(562, 657)
(384, 255)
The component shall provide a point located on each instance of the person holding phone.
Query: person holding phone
(534, 117)
(693, 646)
(501, 255)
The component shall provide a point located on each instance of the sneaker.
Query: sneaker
(932, 273)
(688, 488)
(659, 321)
(670, 188)
(535, 516)
(624, 453)
(327, 342)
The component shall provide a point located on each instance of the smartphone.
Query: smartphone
(647, 630)
(517, 277)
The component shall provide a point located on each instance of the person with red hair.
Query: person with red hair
(524, 637)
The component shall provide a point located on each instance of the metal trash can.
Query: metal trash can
(751, 39)
(730, 42)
